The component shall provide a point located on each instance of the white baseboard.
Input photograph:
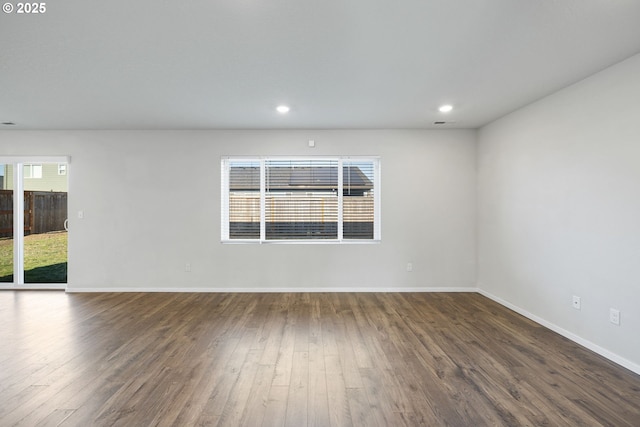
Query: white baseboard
(570, 335)
(272, 290)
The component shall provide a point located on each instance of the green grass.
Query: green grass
(45, 258)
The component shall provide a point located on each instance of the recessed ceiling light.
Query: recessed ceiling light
(282, 109)
(445, 108)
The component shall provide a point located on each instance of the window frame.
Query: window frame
(32, 167)
(263, 160)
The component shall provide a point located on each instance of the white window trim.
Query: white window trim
(224, 193)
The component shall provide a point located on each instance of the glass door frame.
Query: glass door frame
(18, 163)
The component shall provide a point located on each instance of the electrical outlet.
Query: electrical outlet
(187, 267)
(614, 316)
(576, 302)
(409, 266)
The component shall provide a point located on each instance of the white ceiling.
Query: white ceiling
(205, 64)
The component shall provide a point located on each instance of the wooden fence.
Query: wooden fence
(245, 207)
(44, 211)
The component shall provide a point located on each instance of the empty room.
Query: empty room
(329, 213)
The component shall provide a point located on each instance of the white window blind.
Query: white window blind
(300, 199)
(358, 202)
(243, 199)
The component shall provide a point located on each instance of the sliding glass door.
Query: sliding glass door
(33, 222)
(6, 229)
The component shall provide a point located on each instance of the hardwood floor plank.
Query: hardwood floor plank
(236, 405)
(55, 418)
(276, 410)
(327, 326)
(218, 354)
(356, 330)
(274, 324)
(215, 406)
(300, 317)
(339, 412)
(360, 409)
(347, 356)
(318, 405)
(284, 362)
(298, 399)
(379, 394)
(258, 398)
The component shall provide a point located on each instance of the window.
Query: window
(300, 199)
(62, 168)
(32, 171)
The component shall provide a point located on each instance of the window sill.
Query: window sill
(302, 242)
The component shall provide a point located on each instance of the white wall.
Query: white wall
(151, 202)
(559, 210)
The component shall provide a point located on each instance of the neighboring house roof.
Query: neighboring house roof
(298, 178)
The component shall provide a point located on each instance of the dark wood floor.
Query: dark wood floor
(333, 359)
